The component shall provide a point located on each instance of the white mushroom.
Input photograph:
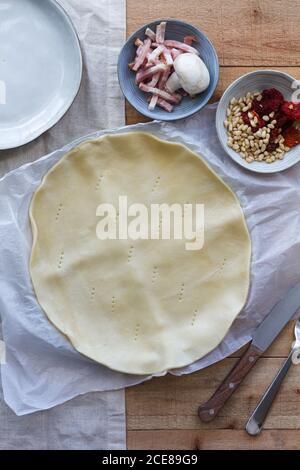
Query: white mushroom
(191, 74)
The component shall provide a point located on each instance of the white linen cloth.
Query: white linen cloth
(42, 368)
(96, 420)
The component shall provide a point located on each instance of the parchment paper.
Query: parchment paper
(42, 369)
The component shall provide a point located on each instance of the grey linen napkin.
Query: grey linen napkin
(95, 420)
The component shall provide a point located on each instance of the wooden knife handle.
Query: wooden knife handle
(209, 410)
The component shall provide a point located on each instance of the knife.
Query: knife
(262, 338)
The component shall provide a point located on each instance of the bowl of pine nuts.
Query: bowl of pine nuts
(252, 126)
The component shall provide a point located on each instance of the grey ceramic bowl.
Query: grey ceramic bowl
(257, 81)
(175, 30)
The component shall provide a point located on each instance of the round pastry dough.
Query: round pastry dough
(143, 306)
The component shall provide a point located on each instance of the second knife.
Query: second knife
(263, 337)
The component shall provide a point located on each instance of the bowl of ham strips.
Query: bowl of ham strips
(168, 70)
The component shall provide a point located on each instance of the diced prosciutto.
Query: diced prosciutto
(139, 50)
(180, 45)
(175, 53)
(168, 57)
(172, 98)
(142, 75)
(151, 34)
(165, 105)
(160, 32)
(156, 53)
(143, 54)
(154, 80)
(148, 64)
(164, 78)
(138, 42)
(153, 102)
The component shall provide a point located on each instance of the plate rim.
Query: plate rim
(50, 124)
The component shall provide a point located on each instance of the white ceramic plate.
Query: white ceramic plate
(40, 68)
(257, 81)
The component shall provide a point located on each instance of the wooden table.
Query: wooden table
(162, 413)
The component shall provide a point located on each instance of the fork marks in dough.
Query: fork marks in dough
(154, 274)
(181, 293)
(156, 183)
(136, 332)
(130, 254)
(98, 183)
(61, 260)
(194, 317)
(92, 294)
(59, 211)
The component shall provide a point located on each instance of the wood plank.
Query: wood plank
(171, 402)
(227, 76)
(213, 440)
(247, 32)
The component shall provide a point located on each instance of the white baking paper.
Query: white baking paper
(42, 369)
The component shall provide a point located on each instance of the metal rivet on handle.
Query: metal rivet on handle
(231, 385)
(251, 359)
(211, 411)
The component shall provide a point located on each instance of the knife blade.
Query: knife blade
(262, 338)
(276, 320)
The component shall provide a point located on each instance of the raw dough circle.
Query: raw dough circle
(143, 306)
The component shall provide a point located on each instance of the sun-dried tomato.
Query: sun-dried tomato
(246, 120)
(272, 146)
(271, 101)
(291, 136)
(291, 110)
(274, 134)
(281, 119)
